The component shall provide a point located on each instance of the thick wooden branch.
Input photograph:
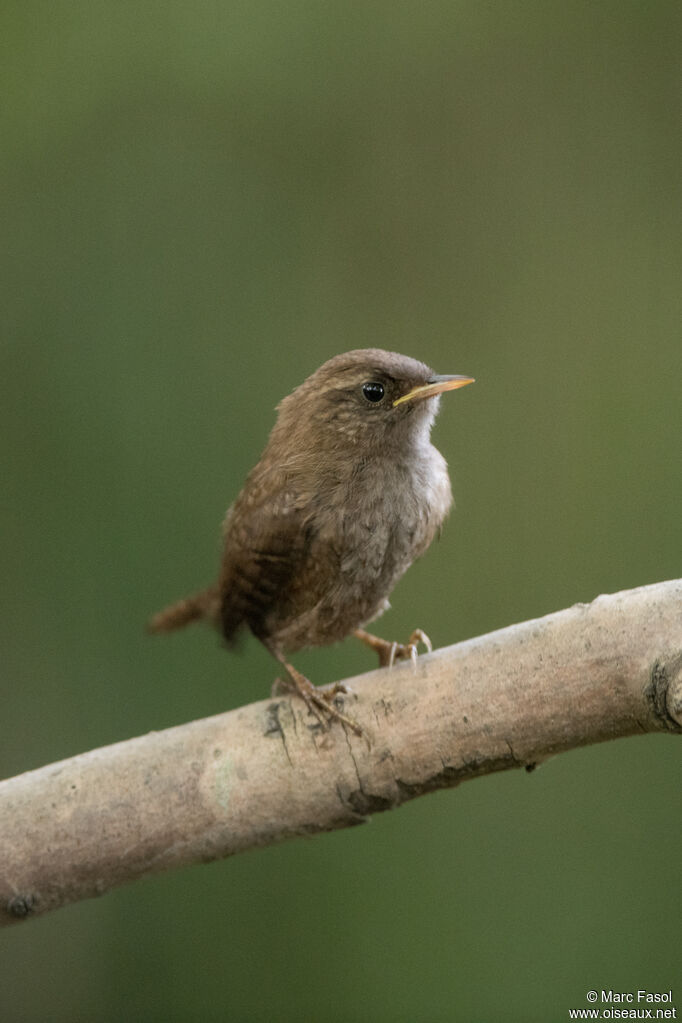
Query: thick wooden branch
(267, 772)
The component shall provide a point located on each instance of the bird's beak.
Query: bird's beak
(436, 385)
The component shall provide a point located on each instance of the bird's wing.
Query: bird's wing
(267, 535)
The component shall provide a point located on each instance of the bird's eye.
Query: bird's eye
(373, 391)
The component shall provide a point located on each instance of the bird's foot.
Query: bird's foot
(389, 653)
(320, 702)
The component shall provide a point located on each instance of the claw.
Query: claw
(392, 654)
(419, 636)
(320, 702)
(389, 653)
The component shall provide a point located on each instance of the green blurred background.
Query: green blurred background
(200, 204)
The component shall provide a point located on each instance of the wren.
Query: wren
(348, 492)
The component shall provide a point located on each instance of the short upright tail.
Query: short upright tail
(204, 605)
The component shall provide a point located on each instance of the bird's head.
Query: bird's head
(368, 397)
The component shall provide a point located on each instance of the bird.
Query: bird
(348, 492)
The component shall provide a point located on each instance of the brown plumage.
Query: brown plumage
(348, 492)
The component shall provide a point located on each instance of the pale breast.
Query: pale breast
(367, 531)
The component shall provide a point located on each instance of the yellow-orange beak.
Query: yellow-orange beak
(436, 385)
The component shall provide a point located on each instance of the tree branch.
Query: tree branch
(266, 772)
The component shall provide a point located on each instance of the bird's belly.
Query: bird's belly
(354, 594)
(354, 562)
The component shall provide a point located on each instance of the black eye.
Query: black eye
(373, 391)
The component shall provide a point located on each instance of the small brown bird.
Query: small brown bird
(348, 492)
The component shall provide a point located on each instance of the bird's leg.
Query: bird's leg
(389, 653)
(318, 701)
(384, 650)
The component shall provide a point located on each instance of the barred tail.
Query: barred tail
(192, 609)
